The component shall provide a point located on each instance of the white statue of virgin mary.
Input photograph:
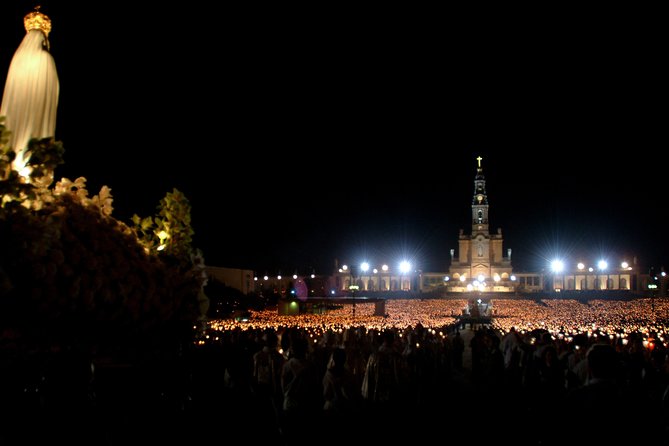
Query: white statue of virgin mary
(30, 98)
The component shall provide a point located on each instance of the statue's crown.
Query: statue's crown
(37, 20)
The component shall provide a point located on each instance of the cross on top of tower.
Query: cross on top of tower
(479, 160)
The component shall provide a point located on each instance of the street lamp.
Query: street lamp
(405, 267)
(364, 267)
(602, 265)
(557, 266)
(652, 286)
(344, 268)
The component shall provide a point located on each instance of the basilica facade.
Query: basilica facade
(481, 263)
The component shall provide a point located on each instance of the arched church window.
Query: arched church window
(480, 215)
(480, 250)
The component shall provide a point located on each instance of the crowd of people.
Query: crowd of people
(561, 317)
(564, 359)
(546, 372)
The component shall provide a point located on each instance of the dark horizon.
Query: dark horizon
(323, 144)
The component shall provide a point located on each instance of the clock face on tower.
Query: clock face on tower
(479, 198)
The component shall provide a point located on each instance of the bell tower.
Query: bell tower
(480, 203)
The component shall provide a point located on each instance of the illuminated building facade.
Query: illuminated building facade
(598, 277)
(367, 278)
(480, 264)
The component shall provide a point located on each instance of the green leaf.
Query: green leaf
(146, 223)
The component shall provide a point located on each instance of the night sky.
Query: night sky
(304, 136)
